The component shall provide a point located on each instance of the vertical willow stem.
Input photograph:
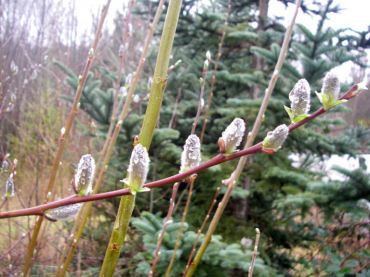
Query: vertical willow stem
(180, 233)
(213, 78)
(251, 137)
(255, 252)
(146, 134)
(157, 251)
(62, 140)
(112, 136)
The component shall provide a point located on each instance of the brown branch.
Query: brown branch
(218, 159)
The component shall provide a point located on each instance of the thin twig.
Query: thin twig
(165, 224)
(110, 142)
(63, 137)
(173, 117)
(206, 218)
(213, 78)
(250, 139)
(200, 99)
(180, 232)
(255, 252)
(218, 159)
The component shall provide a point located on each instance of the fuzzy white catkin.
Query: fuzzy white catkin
(300, 98)
(331, 85)
(139, 166)
(233, 134)
(364, 204)
(63, 213)
(190, 156)
(85, 175)
(275, 139)
(9, 186)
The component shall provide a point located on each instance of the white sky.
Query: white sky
(355, 14)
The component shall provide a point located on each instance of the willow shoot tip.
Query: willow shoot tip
(138, 169)
(275, 139)
(232, 136)
(300, 101)
(84, 176)
(190, 156)
(330, 91)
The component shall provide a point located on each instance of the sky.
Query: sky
(354, 14)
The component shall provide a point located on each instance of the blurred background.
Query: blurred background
(310, 200)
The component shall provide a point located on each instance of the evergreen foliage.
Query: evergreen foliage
(281, 199)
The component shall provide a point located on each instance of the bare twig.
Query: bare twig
(250, 139)
(213, 78)
(200, 99)
(110, 142)
(180, 232)
(165, 224)
(62, 139)
(206, 218)
(218, 159)
(255, 252)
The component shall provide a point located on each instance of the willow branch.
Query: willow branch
(218, 159)
(255, 252)
(62, 139)
(167, 220)
(206, 218)
(182, 223)
(110, 142)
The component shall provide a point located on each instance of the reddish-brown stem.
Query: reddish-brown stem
(218, 159)
(165, 224)
(206, 218)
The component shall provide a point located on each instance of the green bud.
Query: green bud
(275, 139)
(300, 101)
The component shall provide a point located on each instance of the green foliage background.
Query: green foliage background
(294, 205)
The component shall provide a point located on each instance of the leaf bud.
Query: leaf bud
(138, 168)
(233, 135)
(300, 98)
(84, 176)
(63, 213)
(275, 139)
(331, 85)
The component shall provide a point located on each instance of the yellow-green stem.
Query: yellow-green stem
(146, 134)
(118, 235)
(112, 136)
